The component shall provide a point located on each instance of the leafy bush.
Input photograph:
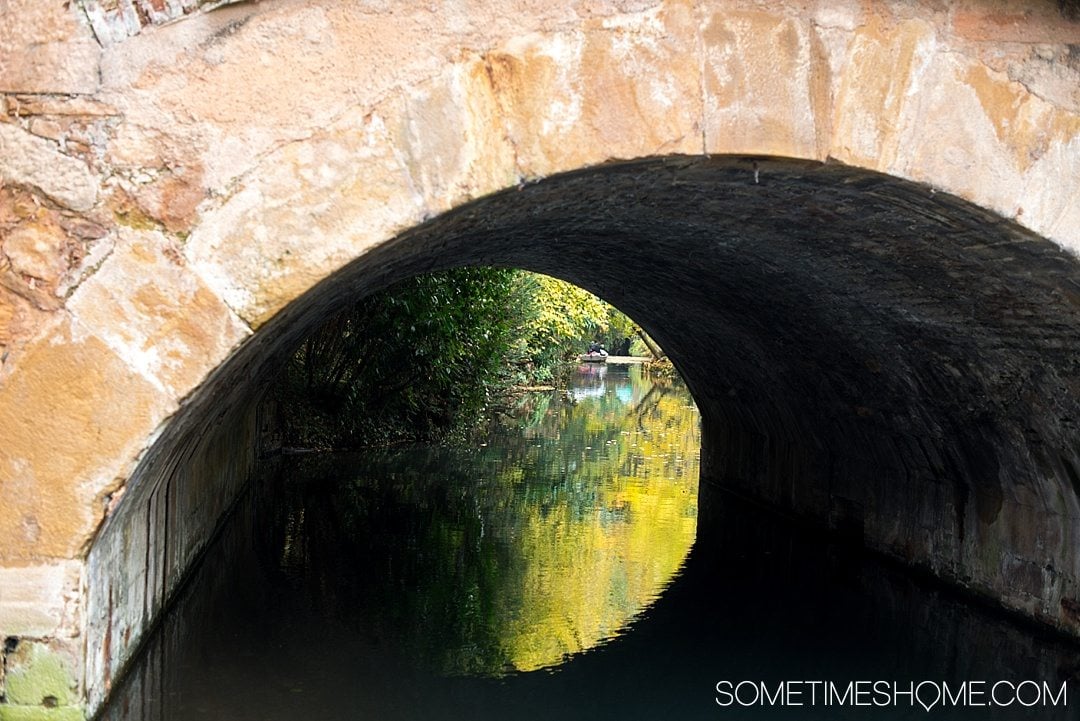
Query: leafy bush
(420, 359)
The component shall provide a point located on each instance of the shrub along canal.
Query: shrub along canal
(548, 570)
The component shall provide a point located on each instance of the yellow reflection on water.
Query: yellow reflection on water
(544, 539)
(588, 569)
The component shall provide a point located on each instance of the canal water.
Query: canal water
(548, 569)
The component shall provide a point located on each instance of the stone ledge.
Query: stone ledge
(40, 601)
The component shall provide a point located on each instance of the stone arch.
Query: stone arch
(889, 362)
(218, 217)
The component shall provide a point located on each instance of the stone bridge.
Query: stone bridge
(853, 225)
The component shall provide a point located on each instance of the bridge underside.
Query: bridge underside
(888, 362)
(894, 364)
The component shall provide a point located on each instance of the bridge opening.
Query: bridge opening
(458, 482)
(868, 355)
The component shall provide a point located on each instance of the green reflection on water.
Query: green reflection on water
(543, 540)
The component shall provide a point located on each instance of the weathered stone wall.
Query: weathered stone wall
(176, 174)
(143, 552)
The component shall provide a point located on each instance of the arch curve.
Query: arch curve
(244, 157)
(885, 360)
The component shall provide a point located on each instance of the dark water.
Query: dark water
(549, 571)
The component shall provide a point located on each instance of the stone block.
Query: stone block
(988, 140)
(75, 417)
(872, 99)
(37, 252)
(1050, 71)
(1066, 230)
(19, 317)
(78, 106)
(47, 47)
(616, 89)
(153, 310)
(37, 249)
(41, 713)
(766, 86)
(41, 674)
(40, 601)
(173, 197)
(26, 159)
(292, 70)
(450, 135)
(305, 212)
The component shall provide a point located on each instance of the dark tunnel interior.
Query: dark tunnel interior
(878, 358)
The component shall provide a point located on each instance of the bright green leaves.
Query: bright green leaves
(417, 360)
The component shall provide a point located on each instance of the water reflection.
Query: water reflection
(542, 539)
(426, 583)
(537, 543)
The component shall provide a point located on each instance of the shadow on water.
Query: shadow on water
(516, 579)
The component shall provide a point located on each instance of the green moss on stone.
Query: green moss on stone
(36, 672)
(136, 219)
(41, 713)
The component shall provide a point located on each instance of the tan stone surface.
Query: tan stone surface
(9, 308)
(577, 82)
(450, 136)
(291, 137)
(313, 207)
(300, 66)
(873, 97)
(982, 137)
(26, 159)
(157, 314)
(1013, 21)
(1023, 123)
(46, 48)
(767, 85)
(1066, 228)
(37, 249)
(173, 196)
(45, 128)
(43, 251)
(617, 89)
(1050, 71)
(79, 105)
(41, 601)
(20, 320)
(73, 420)
(304, 65)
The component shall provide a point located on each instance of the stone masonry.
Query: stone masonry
(184, 185)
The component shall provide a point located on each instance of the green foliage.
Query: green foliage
(420, 359)
(406, 363)
(560, 320)
(563, 319)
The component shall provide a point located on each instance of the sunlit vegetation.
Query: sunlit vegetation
(559, 322)
(423, 358)
(510, 558)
